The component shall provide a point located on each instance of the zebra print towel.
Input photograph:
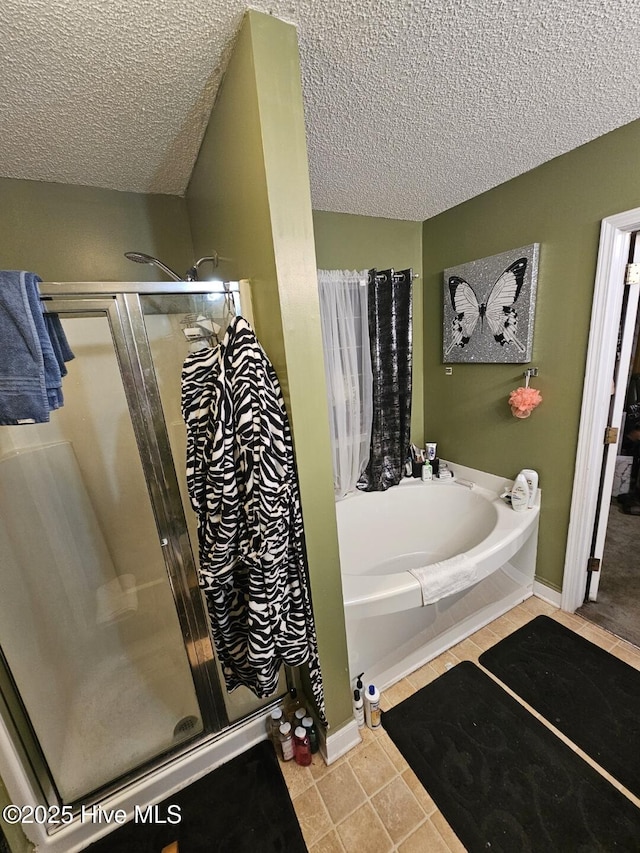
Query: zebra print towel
(243, 486)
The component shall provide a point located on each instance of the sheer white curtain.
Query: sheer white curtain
(347, 364)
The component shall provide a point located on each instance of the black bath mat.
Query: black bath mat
(588, 694)
(241, 807)
(502, 779)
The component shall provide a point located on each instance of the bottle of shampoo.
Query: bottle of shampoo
(520, 493)
(531, 477)
(372, 707)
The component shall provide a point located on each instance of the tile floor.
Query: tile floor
(370, 799)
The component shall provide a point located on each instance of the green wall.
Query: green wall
(344, 241)
(73, 233)
(249, 200)
(559, 205)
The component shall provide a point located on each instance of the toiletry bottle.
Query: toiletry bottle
(358, 708)
(312, 734)
(372, 707)
(302, 748)
(520, 493)
(298, 717)
(291, 704)
(274, 721)
(531, 477)
(427, 472)
(286, 742)
(359, 684)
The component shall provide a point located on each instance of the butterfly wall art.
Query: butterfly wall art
(489, 308)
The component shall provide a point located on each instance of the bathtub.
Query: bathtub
(382, 535)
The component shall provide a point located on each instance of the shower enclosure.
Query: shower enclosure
(107, 669)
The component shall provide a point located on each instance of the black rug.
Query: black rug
(241, 807)
(588, 694)
(503, 781)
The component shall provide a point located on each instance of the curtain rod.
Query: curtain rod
(398, 275)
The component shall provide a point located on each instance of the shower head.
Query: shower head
(141, 258)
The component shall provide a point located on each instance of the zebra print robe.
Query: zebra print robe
(243, 486)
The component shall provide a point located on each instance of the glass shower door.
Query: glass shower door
(110, 673)
(171, 323)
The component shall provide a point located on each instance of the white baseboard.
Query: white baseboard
(338, 743)
(551, 596)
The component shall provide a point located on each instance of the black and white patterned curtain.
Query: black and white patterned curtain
(390, 340)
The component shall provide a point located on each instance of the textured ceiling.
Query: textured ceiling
(411, 106)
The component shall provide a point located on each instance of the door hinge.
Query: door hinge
(593, 564)
(632, 275)
(611, 435)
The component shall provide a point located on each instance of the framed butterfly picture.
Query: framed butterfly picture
(489, 308)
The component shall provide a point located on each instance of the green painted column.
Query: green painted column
(249, 200)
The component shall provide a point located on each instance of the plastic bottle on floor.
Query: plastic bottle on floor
(298, 717)
(312, 734)
(274, 721)
(286, 742)
(372, 707)
(302, 747)
(291, 704)
(358, 708)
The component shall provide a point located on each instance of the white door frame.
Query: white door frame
(613, 255)
(626, 339)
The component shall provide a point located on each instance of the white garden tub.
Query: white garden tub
(383, 535)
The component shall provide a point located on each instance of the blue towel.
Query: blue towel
(30, 379)
(52, 374)
(59, 341)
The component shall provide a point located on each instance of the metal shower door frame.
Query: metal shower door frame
(122, 306)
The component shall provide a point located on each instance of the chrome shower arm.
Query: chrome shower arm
(192, 273)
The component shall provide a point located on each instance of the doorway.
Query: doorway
(612, 596)
(595, 462)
